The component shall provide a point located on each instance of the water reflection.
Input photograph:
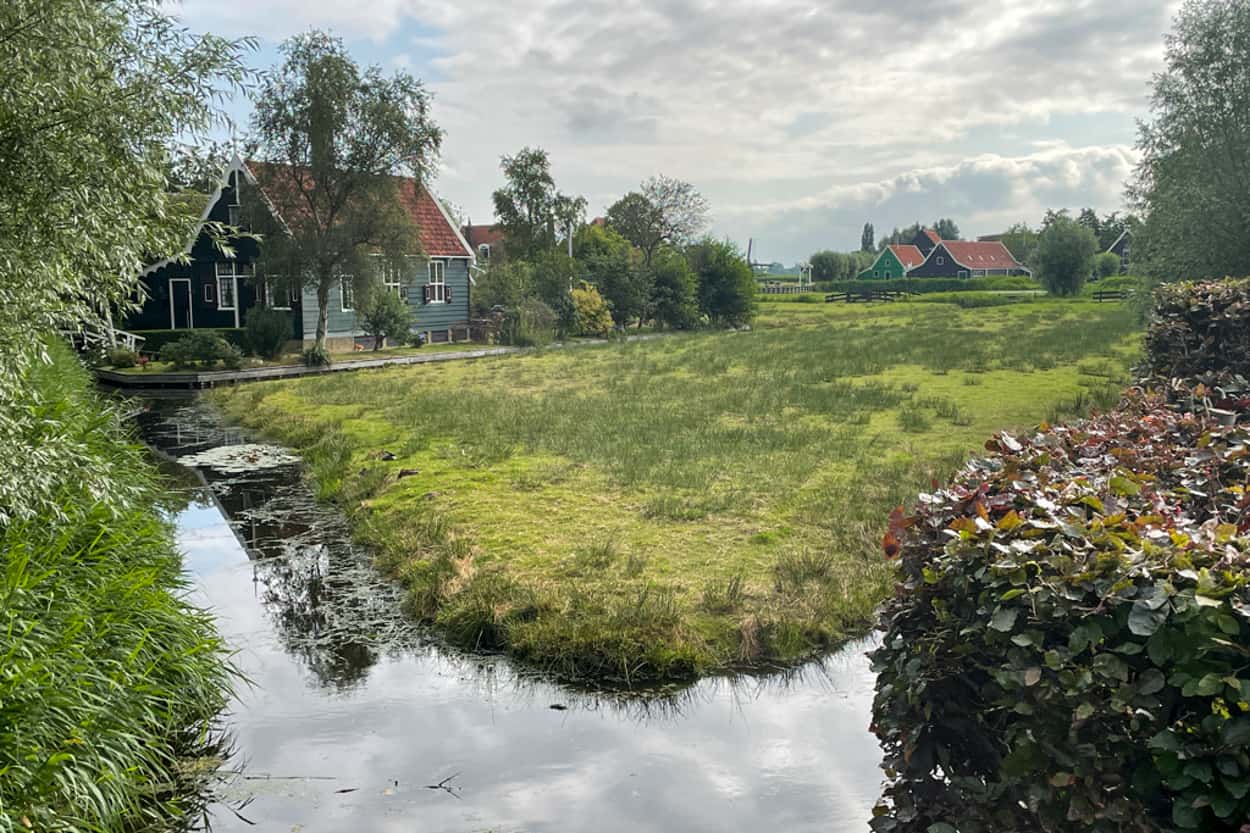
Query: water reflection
(355, 716)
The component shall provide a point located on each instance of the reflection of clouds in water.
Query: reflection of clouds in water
(348, 691)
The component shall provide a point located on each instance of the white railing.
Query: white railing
(102, 337)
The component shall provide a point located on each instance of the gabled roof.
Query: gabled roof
(478, 235)
(1123, 234)
(932, 235)
(980, 254)
(907, 254)
(438, 235)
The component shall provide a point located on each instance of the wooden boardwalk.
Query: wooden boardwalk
(200, 379)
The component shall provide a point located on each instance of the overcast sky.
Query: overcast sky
(797, 120)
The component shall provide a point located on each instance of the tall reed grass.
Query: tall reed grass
(109, 679)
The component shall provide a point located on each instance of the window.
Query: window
(228, 275)
(208, 293)
(275, 298)
(232, 212)
(876, 273)
(940, 260)
(393, 280)
(438, 282)
(483, 252)
(347, 293)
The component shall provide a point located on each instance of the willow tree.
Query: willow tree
(336, 146)
(91, 96)
(1193, 182)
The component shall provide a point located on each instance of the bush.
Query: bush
(725, 284)
(385, 315)
(1200, 328)
(991, 283)
(530, 324)
(316, 357)
(154, 340)
(1065, 256)
(201, 348)
(974, 300)
(1106, 265)
(267, 331)
(1064, 649)
(120, 357)
(592, 315)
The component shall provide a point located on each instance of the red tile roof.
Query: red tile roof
(981, 254)
(907, 255)
(932, 235)
(438, 236)
(477, 235)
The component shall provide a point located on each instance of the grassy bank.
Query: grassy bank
(107, 679)
(661, 509)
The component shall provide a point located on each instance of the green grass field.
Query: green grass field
(672, 507)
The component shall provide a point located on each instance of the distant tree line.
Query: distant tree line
(648, 262)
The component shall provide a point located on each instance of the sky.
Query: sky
(798, 121)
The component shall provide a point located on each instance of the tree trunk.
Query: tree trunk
(323, 313)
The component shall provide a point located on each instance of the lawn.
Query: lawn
(668, 508)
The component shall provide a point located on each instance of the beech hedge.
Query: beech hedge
(1068, 646)
(1200, 328)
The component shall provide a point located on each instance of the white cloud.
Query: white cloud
(764, 101)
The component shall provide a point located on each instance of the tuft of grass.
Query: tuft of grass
(770, 459)
(111, 681)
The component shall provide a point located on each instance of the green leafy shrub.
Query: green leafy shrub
(1065, 647)
(267, 331)
(316, 357)
(120, 357)
(201, 349)
(385, 315)
(974, 300)
(154, 340)
(921, 286)
(1106, 265)
(1200, 328)
(592, 315)
(530, 324)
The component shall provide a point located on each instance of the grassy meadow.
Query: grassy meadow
(666, 508)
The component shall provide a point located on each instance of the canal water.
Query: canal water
(355, 719)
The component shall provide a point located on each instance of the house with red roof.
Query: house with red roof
(894, 262)
(206, 288)
(486, 242)
(968, 259)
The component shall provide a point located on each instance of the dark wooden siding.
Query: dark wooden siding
(932, 269)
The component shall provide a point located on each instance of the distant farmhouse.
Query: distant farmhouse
(204, 288)
(1120, 248)
(929, 256)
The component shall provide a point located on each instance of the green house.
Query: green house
(893, 262)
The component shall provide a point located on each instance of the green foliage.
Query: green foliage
(726, 285)
(1200, 328)
(1065, 256)
(1021, 241)
(111, 681)
(267, 331)
(335, 138)
(673, 291)
(316, 356)
(1106, 264)
(975, 300)
(836, 266)
(154, 340)
(531, 212)
(530, 324)
(502, 284)
(1065, 646)
(663, 211)
(868, 239)
(203, 349)
(93, 93)
(593, 318)
(121, 357)
(993, 283)
(1192, 183)
(385, 315)
(613, 266)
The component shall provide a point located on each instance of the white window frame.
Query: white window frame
(940, 261)
(228, 273)
(268, 293)
(210, 293)
(346, 286)
(483, 251)
(438, 281)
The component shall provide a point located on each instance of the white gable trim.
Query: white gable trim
(236, 165)
(472, 258)
(1123, 234)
